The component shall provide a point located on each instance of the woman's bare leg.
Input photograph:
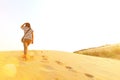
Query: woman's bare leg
(25, 49)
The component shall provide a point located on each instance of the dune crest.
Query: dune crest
(56, 65)
(107, 51)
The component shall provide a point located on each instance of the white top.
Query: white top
(28, 32)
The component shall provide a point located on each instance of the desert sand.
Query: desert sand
(107, 51)
(56, 65)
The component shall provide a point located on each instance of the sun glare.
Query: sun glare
(9, 70)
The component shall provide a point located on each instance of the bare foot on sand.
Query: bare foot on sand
(24, 57)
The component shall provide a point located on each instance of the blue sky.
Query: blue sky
(66, 25)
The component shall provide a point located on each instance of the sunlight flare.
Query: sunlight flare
(9, 70)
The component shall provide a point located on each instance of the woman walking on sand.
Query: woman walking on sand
(27, 39)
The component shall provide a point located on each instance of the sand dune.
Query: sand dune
(56, 65)
(107, 51)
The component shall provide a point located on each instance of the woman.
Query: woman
(27, 39)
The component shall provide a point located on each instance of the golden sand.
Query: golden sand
(56, 65)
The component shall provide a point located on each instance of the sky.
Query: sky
(65, 25)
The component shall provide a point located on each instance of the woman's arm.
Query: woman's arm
(32, 37)
(22, 25)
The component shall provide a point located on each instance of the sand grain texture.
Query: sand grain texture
(56, 65)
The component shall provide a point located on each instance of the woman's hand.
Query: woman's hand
(22, 40)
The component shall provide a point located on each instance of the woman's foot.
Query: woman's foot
(25, 57)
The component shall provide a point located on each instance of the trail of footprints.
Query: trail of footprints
(45, 58)
(49, 68)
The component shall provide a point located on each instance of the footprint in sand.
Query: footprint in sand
(67, 67)
(44, 59)
(58, 62)
(70, 68)
(89, 75)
